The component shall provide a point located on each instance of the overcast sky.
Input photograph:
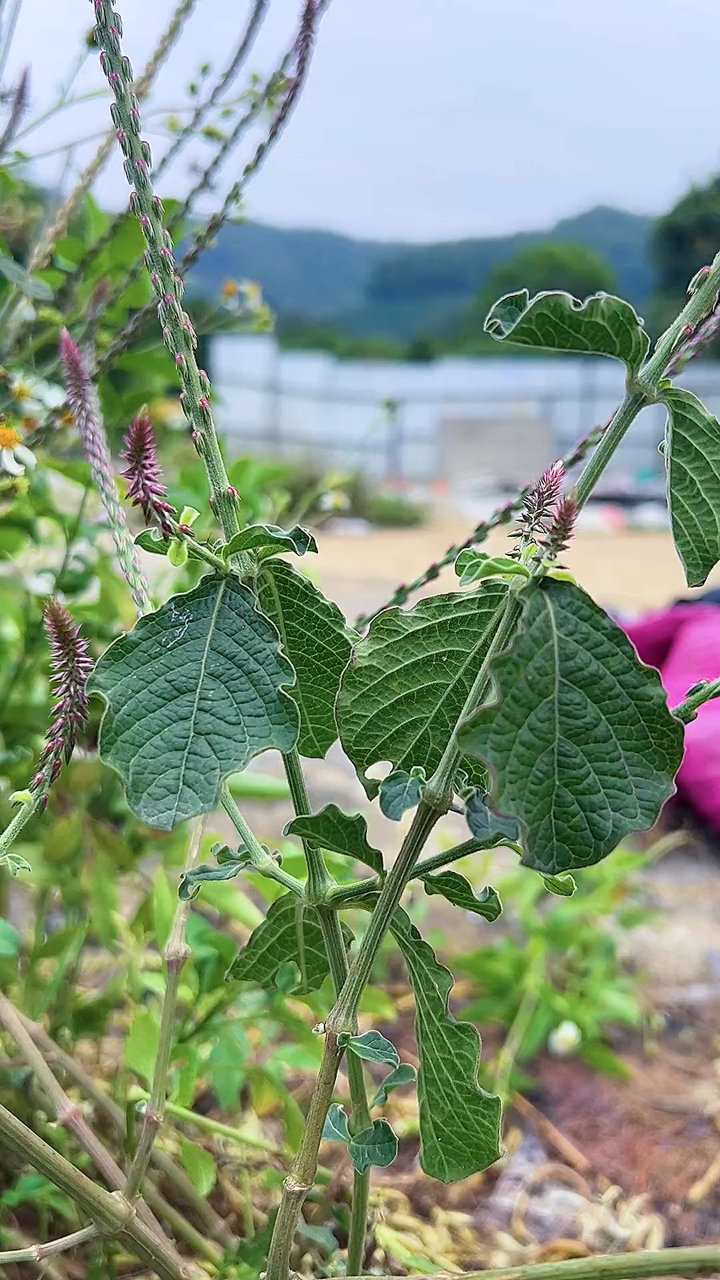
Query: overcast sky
(432, 119)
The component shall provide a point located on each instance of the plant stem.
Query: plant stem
(319, 883)
(620, 423)
(109, 1211)
(15, 826)
(37, 1252)
(301, 1178)
(458, 851)
(697, 1260)
(687, 710)
(260, 859)
(208, 1125)
(177, 952)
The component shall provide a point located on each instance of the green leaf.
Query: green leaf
(459, 1121)
(372, 1046)
(151, 540)
(226, 1064)
(561, 886)
(377, 1145)
(26, 284)
(141, 1044)
(289, 932)
(580, 742)
(193, 693)
(340, 832)
(401, 791)
(336, 1125)
(190, 881)
(318, 643)
(200, 1166)
(10, 942)
(486, 825)
(602, 325)
(402, 1075)
(456, 889)
(270, 540)
(408, 680)
(692, 457)
(472, 566)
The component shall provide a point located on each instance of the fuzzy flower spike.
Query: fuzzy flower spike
(540, 504)
(146, 488)
(70, 668)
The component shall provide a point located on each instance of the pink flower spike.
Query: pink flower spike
(146, 489)
(70, 667)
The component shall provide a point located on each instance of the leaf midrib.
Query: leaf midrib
(203, 666)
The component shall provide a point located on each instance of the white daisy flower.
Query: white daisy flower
(35, 395)
(15, 457)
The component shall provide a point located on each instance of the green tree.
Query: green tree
(684, 240)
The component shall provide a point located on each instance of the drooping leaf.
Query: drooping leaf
(200, 1166)
(30, 286)
(580, 741)
(561, 886)
(340, 832)
(377, 1145)
(193, 693)
(318, 643)
(270, 540)
(410, 675)
(602, 325)
(191, 881)
(289, 933)
(692, 457)
(402, 1075)
(486, 825)
(336, 1124)
(459, 1121)
(401, 791)
(372, 1046)
(472, 566)
(456, 889)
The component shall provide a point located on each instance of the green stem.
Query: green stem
(519, 1026)
(21, 819)
(260, 859)
(37, 1252)
(697, 1260)
(458, 851)
(319, 885)
(621, 422)
(687, 710)
(207, 1125)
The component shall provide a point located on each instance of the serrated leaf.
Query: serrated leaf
(402, 1075)
(602, 325)
(270, 540)
(401, 791)
(459, 1121)
(580, 742)
(377, 1145)
(318, 643)
(372, 1046)
(408, 679)
(472, 566)
(191, 881)
(339, 832)
(193, 692)
(336, 1125)
(457, 890)
(30, 286)
(200, 1166)
(692, 457)
(141, 1044)
(289, 933)
(486, 825)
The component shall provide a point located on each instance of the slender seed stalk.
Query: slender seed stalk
(177, 952)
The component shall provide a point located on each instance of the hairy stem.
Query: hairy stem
(177, 952)
(687, 710)
(16, 824)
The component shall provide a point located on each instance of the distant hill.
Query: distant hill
(400, 291)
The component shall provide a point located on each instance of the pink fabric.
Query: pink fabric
(684, 644)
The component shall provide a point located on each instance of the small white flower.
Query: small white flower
(15, 457)
(35, 395)
(565, 1040)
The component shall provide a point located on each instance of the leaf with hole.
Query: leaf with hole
(409, 678)
(402, 1075)
(458, 890)
(340, 833)
(602, 325)
(692, 458)
(193, 692)
(579, 740)
(377, 1146)
(318, 642)
(459, 1121)
(269, 540)
(289, 933)
(372, 1046)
